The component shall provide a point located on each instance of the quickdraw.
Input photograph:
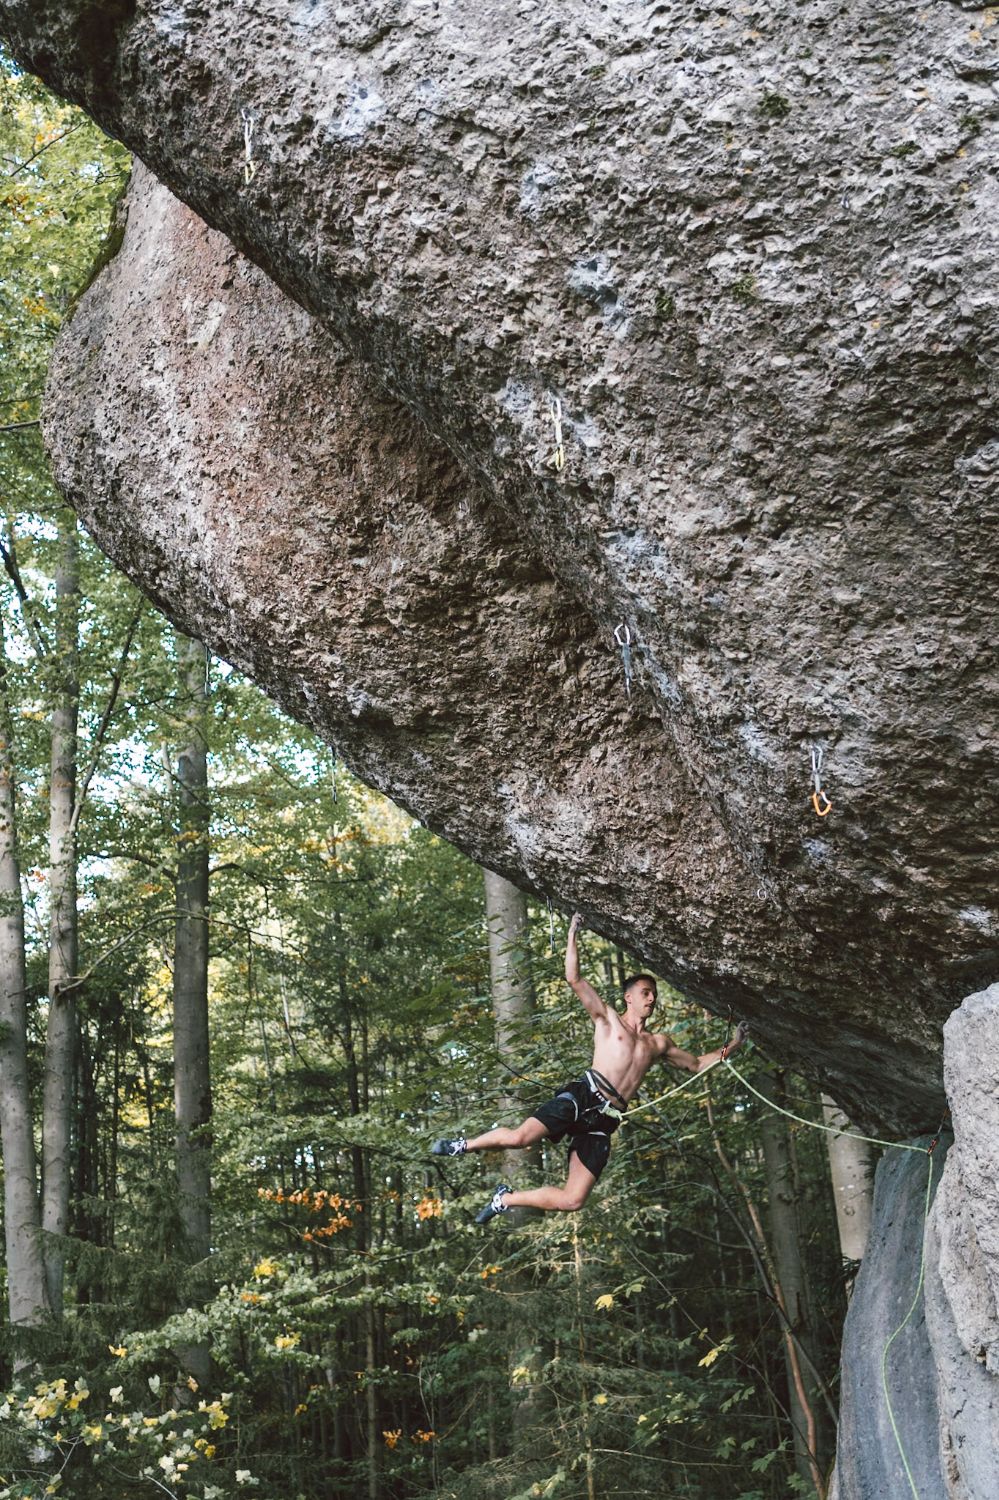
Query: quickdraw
(818, 795)
(557, 459)
(249, 165)
(622, 635)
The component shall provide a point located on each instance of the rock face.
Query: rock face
(962, 1252)
(869, 1462)
(942, 1368)
(752, 253)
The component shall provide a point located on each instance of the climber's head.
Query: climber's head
(640, 995)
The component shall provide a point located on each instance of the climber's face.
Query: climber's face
(640, 997)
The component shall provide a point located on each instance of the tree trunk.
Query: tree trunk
(27, 1294)
(60, 1035)
(512, 988)
(371, 1394)
(851, 1164)
(584, 1393)
(192, 1079)
(786, 1242)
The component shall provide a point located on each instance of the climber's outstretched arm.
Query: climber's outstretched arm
(687, 1060)
(581, 987)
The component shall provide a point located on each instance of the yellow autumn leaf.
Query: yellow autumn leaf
(604, 1302)
(709, 1358)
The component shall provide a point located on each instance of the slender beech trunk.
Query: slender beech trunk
(60, 1035)
(192, 1078)
(371, 1393)
(512, 988)
(357, 1092)
(789, 1260)
(851, 1165)
(27, 1293)
(584, 1392)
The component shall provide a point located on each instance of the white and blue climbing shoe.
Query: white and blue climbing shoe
(455, 1146)
(496, 1205)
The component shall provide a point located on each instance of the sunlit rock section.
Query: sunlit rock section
(752, 253)
(942, 1367)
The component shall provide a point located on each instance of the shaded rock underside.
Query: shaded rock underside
(753, 255)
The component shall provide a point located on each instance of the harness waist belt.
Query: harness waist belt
(604, 1086)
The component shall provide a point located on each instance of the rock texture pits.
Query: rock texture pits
(752, 252)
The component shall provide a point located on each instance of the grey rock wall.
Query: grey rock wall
(752, 252)
(962, 1250)
(942, 1369)
(869, 1463)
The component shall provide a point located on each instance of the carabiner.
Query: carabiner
(821, 811)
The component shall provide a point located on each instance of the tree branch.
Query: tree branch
(9, 555)
(42, 149)
(109, 708)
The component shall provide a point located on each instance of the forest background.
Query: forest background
(241, 993)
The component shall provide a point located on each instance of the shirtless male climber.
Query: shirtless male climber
(590, 1109)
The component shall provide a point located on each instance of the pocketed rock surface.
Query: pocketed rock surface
(752, 252)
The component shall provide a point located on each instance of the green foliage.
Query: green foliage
(774, 106)
(744, 289)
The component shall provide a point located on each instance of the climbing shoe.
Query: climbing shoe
(455, 1146)
(495, 1205)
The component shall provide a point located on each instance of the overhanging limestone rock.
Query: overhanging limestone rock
(756, 263)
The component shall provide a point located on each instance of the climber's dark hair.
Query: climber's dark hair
(637, 979)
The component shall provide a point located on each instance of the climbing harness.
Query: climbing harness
(818, 795)
(557, 459)
(622, 634)
(603, 1086)
(249, 165)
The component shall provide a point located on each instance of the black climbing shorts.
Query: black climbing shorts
(579, 1111)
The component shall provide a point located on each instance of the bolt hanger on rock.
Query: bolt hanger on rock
(557, 459)
(818, 795)
(622, 634)
(249, 165)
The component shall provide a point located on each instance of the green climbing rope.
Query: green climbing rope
(892, 1337)
(814, 1124)
(669, 1095)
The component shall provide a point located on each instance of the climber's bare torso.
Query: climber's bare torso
(625, 1052)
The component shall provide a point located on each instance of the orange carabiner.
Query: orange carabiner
(821, 811)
